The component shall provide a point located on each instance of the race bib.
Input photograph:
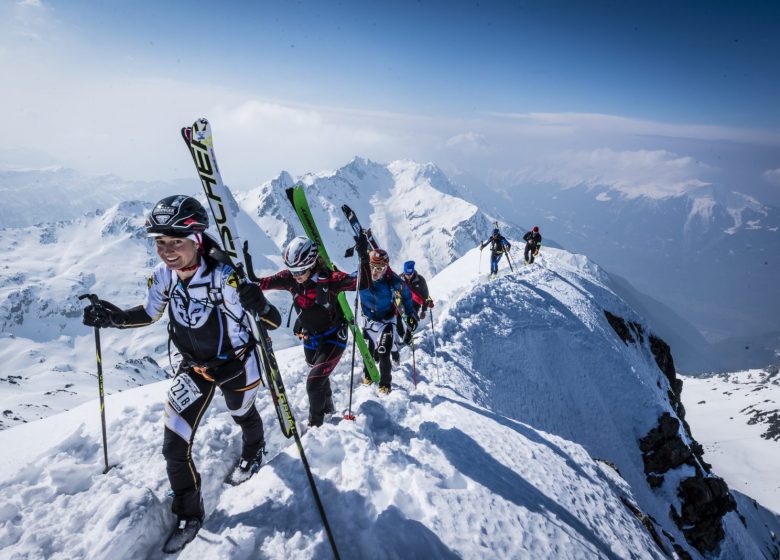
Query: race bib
(183, 393)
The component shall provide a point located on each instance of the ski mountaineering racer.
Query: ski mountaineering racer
(320, 323)
(498, 246)
(378, 288)
(533, 242)
(421, 298)
(208, 326)
(421, 301)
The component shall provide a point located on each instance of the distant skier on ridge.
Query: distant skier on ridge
(498, 246)
(533, 242)
(208, 325)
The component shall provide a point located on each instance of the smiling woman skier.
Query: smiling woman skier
(209, 326)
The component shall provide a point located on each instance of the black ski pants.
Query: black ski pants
(530, 249)
(322, 358)
(183, 413)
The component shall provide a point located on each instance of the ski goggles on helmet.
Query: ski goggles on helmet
(298, 273)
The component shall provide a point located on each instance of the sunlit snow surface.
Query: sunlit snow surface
(730, 415)
(479, 460)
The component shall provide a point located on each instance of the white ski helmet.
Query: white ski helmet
(300, 255)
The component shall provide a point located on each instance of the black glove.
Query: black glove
(104, 314)
(361, 245)
(252, 298)
(422, 314)
(411, 321)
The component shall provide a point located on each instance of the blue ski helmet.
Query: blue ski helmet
(409, 267)
(496, 232)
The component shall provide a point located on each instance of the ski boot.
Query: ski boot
(245, 468)
(185, 531)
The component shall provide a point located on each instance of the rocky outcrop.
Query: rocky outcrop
(663, 450)
(704, 498)
(704, 502)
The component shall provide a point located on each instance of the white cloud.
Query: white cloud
(772, 176)
(566, 124)
(468, 142)
(26, 20)
(101, 121)
(654, 174)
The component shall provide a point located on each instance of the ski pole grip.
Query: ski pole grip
(93, 299)
(250, 271)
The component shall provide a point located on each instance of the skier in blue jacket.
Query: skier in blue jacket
(378, 288)
(498, 246)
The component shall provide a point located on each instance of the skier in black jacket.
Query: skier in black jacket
(533, 242)
(421, 301)
(208, 325)
(321, 324)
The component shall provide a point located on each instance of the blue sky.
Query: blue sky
(459, 83)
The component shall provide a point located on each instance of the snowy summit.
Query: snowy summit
(546, 420)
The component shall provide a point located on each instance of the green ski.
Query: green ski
(297, 198)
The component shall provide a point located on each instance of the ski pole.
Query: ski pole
(96, 302)
(479, 268)
(509, 258)
(414, 365)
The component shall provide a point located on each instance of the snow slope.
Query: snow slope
(735, 418)
(501, 451)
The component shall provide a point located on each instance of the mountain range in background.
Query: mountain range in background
(568, 361)
(708, 254)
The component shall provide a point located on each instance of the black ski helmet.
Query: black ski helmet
(177, 216)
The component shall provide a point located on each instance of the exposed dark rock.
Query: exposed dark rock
(663, 357)
(647, 522)
(682, 553)
(704, 502)
(638, 330)
(655, 480)
(620, 327)
(610, 464)
(663, 449)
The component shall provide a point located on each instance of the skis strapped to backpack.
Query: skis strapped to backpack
(201, 145)
(297, 198)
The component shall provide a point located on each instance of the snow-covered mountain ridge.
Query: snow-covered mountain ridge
(531, 436)
(407, 205)
(709, 244)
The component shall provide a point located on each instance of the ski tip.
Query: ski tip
(186, 133)
(290, 192)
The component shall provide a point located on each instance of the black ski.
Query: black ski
(200, 142)
(357, 228)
